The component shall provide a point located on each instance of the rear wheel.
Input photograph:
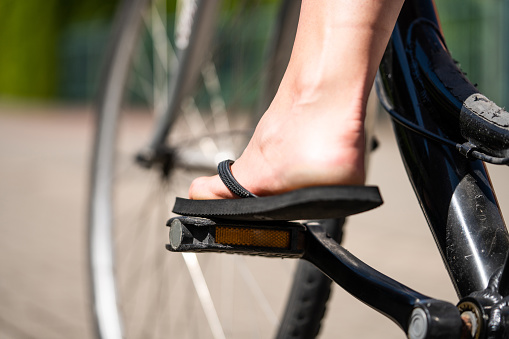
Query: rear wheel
(197, 109)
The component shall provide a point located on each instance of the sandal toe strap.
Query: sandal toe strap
(225, 173)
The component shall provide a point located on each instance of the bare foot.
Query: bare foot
(291, 149)
(313, 132)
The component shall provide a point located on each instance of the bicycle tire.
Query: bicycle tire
(113, 318)
(310, 292)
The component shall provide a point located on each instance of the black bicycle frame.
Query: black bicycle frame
(420, 82)
(455, 193)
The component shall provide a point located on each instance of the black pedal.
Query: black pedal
(272, 239)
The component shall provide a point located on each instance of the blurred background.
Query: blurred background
(50, 64)
(52, 51)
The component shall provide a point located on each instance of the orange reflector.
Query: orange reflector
(252, 237)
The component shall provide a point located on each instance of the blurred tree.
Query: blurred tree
(29, 33)
(476, 32)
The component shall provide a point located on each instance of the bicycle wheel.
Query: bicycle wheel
(150, 88)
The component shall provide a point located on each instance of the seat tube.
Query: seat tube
(455, 193)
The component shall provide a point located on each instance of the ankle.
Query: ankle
(325, 91)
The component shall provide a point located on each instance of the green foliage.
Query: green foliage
(476, 33)
(30, 31)
(27, 32)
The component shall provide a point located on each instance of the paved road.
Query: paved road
(44, 154)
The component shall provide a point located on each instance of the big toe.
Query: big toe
(205, 188)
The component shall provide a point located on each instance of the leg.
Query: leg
(313, 132)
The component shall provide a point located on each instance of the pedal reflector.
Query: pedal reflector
(252, 237)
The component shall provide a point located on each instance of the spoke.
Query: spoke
(146, 87)
(143, 73)
(160, 58)
(157, 303)
(227, 290)
(137, 229)
(203, 292)
(218, 105)
(257, 292)
(159, 35)
(198, 128)
(194, 118)
(136, 213)
(213, 86)
(164, 57)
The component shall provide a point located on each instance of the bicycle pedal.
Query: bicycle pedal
(272, 239)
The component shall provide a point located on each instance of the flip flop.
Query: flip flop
(319, 202)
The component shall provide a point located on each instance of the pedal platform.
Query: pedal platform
(271, 239)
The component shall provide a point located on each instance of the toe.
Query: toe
(204, 188)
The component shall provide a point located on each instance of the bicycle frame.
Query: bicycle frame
(420, 82)
(455, 193)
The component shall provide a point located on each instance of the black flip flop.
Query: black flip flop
(319, 202)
